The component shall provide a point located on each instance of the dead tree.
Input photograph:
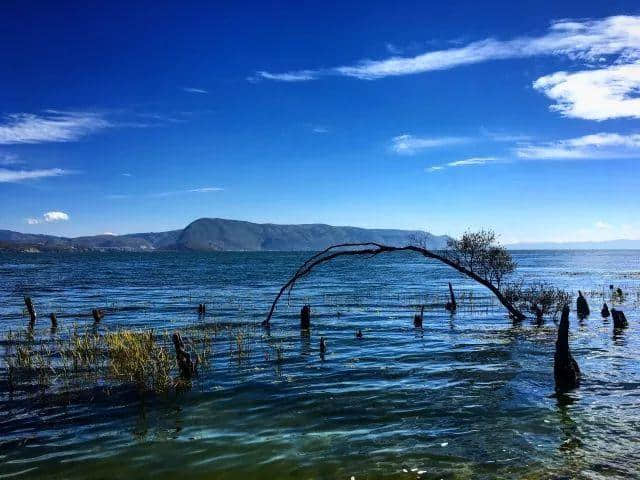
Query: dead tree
(619, 319)
(185, 364)
(31, 309)
(582, 306)
(305, 317)
(488, 272)
(451, 305)
(565, 369)
(418, 317)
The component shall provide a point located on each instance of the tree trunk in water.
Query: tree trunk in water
(565, 369)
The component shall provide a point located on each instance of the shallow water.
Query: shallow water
(469, 396)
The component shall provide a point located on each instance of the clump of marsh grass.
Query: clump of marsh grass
(137, 358)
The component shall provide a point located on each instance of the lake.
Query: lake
(468, 396)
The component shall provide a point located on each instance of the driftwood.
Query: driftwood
(418, 317)
(371, 249)
(97, 315)
(185, 364)
(605, 311)
(451, 305)
(565, 369)
(32, 311)
(305, 317)
(619, 319)
(582, 306)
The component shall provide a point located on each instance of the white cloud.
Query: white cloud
(203, 190)
(54, 216)
(599, 145)
(201, 91)
(320, 129)
(602, 94)
(13, 176)
(587, 41)
(49, 217)
(127, 175)
(53, 126)
(408, 144)
(468, 162)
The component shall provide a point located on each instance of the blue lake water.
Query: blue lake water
(468, 396)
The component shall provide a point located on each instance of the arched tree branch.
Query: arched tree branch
(371, 249)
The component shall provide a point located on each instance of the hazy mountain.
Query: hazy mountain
(220, 234)
(208, 234)
(607, 245)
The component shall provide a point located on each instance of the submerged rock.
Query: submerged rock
(565, 369)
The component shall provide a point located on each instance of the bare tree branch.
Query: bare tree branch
(370, 249)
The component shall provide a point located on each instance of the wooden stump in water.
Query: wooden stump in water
(323, 347)
(305, 317)
(202, 309)
(451, 304)
(185, 364)
(565, 369)
(417, 318)
(54, 321)
(605, 311)
(31, 310)
(619, 319)
(582, 306)
(97, 315)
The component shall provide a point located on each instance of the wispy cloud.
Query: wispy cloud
(599, 145)
(578, 40)
(319, 129)
(299, 76)
(52, 126)
(601, 94)
(467, 162)
(9, 159)
(14, 176)
(201, 91)
(409, 145)
(168, 193)
(49, 217)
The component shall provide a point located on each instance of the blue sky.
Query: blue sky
(524, 118)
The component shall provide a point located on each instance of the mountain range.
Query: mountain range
(216, 234)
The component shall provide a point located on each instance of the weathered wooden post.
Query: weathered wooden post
(323, 347)
(97, 315)
(565, 369)
(605, 311)
(31, 310)
(185, 364)
(417, 318)
(202, 309)
(451, 304)
(582, 306)
(619, 319)
(54, 321)
(305, 317)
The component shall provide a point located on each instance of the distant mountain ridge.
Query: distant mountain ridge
(622, 244)
(217, 234)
